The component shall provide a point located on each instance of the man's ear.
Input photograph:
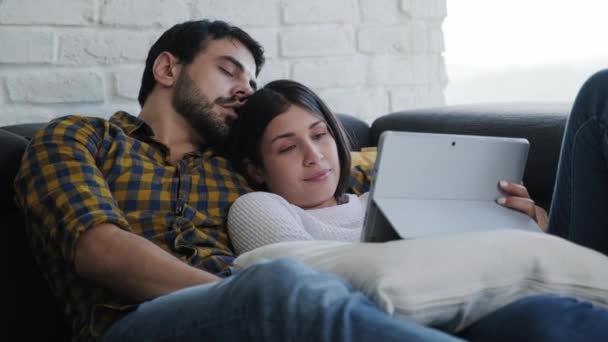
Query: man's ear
(255, 173)
(166, 69)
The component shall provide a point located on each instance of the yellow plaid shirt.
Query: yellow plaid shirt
(79, 172)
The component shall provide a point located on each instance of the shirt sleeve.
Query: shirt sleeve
(260, 218)
(59, 187)
(361, 178)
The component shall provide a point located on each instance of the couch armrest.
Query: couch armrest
(541, 123)
(27, 130)
(28, 298)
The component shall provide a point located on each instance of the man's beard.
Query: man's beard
(189, 101)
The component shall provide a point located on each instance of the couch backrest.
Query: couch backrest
(357, 130)
(541, 123)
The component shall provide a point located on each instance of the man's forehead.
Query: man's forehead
(231, 50)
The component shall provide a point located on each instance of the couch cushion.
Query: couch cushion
(449, 282)
(541, 123)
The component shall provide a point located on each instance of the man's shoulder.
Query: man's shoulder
(76, 121)
(120, 117)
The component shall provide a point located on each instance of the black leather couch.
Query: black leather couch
(31, 312)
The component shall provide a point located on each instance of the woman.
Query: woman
(293, 148)
(291, 145)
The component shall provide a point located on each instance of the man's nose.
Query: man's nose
(243, 90)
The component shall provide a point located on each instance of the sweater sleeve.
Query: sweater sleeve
(261, 218)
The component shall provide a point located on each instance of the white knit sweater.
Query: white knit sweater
(261, 218)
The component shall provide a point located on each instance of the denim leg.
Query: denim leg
(579, 209)
(274, 301)
(542, 318)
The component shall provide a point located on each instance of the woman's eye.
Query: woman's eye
(287, 149)
(319, 135)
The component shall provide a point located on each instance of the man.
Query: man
(127, 217)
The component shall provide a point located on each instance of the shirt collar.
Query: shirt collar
(132, 125)
(135, 126)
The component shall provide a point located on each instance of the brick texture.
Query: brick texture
(317, 41)
(142, 13)
(331, 73)
(21, 46)
(34, 12)
(110, 47)
(317, 11)
(127, 82)
(55, 87)
(364, 57)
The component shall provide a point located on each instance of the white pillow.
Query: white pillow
(451, 282)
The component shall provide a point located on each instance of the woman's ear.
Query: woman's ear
(255, 173)
(166, 69)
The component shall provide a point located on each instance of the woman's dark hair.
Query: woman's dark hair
(262, 107)
(186, 40)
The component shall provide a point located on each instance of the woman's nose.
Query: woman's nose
(312, 155)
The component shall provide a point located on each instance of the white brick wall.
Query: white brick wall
(57, 86)
(26, 46)
(364, 57)
(36, 12)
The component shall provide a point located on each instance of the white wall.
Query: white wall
(521, 50)
(364, 57)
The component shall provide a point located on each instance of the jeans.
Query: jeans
(281, 300)
(579, 209)
(285, 300)
(542, 318)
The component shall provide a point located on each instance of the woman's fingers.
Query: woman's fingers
(522, 204)
(513, 189)
(517, 198)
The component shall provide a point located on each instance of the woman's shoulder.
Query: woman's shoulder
(260, 197)
(363, 198)
(354, 200)
(262, 207)
(261, 200)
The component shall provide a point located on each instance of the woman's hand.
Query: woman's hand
(518, 198)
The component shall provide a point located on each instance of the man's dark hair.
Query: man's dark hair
(262, 107)
(186, 40)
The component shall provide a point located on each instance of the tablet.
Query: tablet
(428, 184)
